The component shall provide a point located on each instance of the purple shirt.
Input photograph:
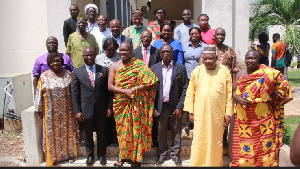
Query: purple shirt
(167, 74)
(40, 64)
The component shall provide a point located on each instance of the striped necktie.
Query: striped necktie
(145, 57)
(91, 76)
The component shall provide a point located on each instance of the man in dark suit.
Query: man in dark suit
(150, 56)
(92, 103)
(70, 25)
(169, 101)
(115, 26)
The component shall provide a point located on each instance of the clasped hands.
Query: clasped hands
(131, 91)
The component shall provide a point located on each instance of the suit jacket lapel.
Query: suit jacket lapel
(86, 76)
(122, 38)
(139, 54)
(98, 71)
(174, 72)
(159, 75)
(152, 51)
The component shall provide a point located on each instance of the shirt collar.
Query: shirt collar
(170, 65)
(88, 67)
(148, 48)
(199, 45)
(116, 38)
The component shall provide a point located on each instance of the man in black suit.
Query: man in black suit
(150, 56)
(92, 103)
(70, 25)
(115, 26)
(169, 101)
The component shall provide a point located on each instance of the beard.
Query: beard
(137, 26)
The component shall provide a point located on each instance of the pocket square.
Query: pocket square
(100, 75)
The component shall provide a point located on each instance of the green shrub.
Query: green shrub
(290, 125)
(293, 64)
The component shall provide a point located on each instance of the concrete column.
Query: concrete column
(103, 7)
(33, 135)
(220, 15)
(241, 28)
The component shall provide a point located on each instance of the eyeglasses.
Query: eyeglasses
(144, 37)
(166, 51)
(101, 19)
(160, 13)
(124, 51)
(55, 61)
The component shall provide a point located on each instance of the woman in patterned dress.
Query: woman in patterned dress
(53, 103)
(160, 14)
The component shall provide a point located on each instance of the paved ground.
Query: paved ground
(293, 107)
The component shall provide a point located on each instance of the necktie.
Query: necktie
(91, 76)
(145, 57)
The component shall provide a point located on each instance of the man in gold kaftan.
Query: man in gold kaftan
(209, 102)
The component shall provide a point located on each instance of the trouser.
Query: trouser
(167, 119)
(111, 133)
(283, 71)
(97, 124)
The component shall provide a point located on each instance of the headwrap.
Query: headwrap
(90, 6)
(209, 49)
(81, 16)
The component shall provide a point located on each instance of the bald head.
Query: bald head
(127, 45)
(125, 52)
(51, 37)
(115, 26)
(252, 60)
(220, 35)
(52, 44)
(87, 49)
(101, 21)
(89, 56)
(252, 53)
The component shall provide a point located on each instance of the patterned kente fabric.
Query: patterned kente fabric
(53, 98)
(134, 115)
(258, 127)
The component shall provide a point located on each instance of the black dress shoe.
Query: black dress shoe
(102, 160)
(177, 161)
(160, 161)
(90, 161)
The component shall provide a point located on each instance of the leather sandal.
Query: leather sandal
(136, 164)
(119, 163)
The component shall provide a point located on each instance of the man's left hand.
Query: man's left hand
(109, 113)
(177, 113)
(227, 120)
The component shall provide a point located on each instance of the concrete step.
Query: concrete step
(148, 162)
(113, 151)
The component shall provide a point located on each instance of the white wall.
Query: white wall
(23, 32)
(25, 27)
(233, 16)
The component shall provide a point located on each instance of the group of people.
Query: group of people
(141, 81)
